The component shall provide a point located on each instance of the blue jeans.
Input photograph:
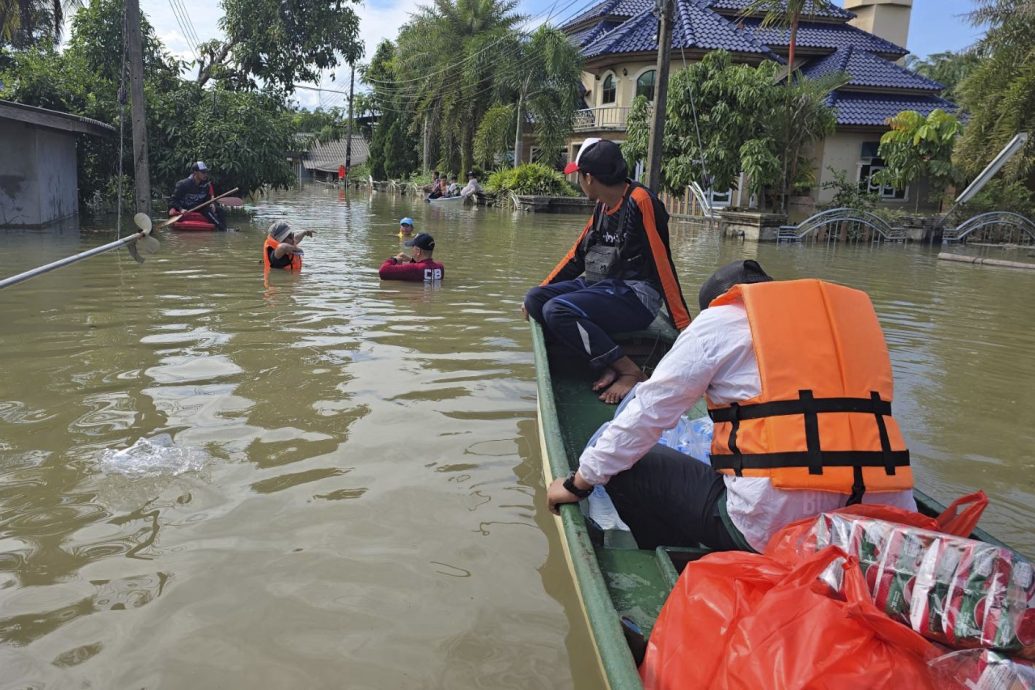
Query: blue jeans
(584, 316)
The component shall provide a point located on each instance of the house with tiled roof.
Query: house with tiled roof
(863, 39)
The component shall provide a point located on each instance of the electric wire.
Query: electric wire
(188, 23)
(186, 34)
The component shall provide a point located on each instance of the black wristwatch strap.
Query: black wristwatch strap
(569, 484)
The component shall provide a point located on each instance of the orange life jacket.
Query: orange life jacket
(296, 260)
(823, 419)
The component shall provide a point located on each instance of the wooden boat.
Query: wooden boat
(613, 577)
(191, 221)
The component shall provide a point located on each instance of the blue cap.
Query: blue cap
(406, 221)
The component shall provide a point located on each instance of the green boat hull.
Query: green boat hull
(612, 576)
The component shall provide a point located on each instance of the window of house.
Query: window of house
(870, 163)
(610, 91)
(645, 85)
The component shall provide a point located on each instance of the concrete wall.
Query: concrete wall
(38, 180)
(888, 19)
(625, 84)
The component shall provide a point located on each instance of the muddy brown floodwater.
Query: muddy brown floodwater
(349, 494)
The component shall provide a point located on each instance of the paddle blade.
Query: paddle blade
(172, 220)
(232, 201)
(143, 221)
(150, 245)
(132, 247)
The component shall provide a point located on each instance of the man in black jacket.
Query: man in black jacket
(195, 190)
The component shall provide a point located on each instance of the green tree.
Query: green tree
(917, 147)
(280, 42)
(542, 81)
(948, 68)
(494, 135)
(448, 56)
(999, 94)
(24, 23)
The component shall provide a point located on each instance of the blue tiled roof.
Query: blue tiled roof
(693, 26)
(874, 109)
(592, 33)
(868, 70)
(609, 8)
(827, 36)
(817, 8)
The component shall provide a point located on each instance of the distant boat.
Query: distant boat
(613, 577)
(446, 199)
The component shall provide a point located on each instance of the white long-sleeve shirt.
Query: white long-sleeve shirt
(713, 356)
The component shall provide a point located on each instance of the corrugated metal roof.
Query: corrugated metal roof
(869, 70)
(855, 108)
(826, 36)
(327, 156)
(693, 26)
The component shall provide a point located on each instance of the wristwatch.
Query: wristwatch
(569, 484)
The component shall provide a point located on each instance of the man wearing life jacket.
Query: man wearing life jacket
(798, 383)
(281, 248)
(615, 277)
(194, 190)
(420, 267)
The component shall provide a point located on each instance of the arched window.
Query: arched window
(645, 85)
(610, 92)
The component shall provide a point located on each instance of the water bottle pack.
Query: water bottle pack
(690, 436)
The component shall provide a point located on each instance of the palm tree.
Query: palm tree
(450, 52)
(783, 13)
(545, 76)
(23, 22)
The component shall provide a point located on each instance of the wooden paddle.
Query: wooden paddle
(199, 206)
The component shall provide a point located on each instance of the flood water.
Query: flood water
(353, 492)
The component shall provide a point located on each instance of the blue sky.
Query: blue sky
(935, 26)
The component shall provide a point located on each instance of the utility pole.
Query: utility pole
(427, 148)
(348, 142)
(141, 172)
(657, 122)
(517, 134)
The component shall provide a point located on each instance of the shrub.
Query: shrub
(531, 179)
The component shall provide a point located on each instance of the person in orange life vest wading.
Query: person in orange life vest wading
(194, 190)
(798, 383)
(281, 248)
(406, 227)
(616, 276)
(418, 268)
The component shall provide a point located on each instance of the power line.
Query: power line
(188, 22)
(186, 34)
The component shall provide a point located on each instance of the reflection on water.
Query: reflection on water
(370, 503)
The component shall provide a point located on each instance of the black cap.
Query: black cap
(599, 157)
(423, 240)
(731, 274)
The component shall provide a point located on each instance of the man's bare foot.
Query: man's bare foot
(620, 388)
(607, 377)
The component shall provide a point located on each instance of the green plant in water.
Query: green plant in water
(532, 179)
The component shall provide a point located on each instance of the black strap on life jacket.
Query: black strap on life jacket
(814, 457)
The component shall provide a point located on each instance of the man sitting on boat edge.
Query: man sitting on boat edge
(421, 267)
(799, 384)
(615, 277)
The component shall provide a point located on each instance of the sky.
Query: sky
(935, 26)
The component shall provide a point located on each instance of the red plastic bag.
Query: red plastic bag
(960, 518)
(739, 620)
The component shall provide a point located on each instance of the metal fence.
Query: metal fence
(842, 224)
(996, 227)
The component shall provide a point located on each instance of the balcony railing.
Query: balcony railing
(605, 117)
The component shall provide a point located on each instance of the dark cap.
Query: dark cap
(199, 166)
(599, 157)
(423, 240)
(731, 274)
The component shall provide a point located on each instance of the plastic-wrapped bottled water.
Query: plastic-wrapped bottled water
(690, 436)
